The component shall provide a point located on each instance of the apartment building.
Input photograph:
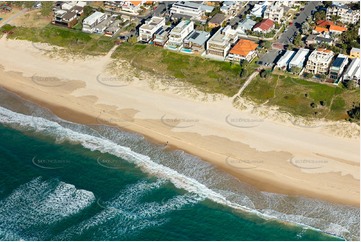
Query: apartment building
(319, 61)
(179, 33)
(220, 43)
(192, 9)
(230, 7)
(196, 42)
(338, 66)
(90, 23)
(147, 30)
(274, 12)
(346, 14)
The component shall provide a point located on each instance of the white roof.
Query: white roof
(285, 59)
(81, 4)
(93, 18)
(299, 57)
(353, 70)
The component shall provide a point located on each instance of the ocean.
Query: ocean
(65, 181)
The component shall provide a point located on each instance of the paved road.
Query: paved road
(287, 37)
(22, 12)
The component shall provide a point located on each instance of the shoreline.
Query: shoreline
(76, 102)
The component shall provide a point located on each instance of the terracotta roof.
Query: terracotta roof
(265, 24)
(320, 29)
(324, 23)
(337, 28)
(136, 3)
(243, 47)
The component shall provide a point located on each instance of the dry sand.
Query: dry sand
(259, 145)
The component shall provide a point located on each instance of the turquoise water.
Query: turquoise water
(64, 181)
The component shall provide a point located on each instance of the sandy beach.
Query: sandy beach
(260, 146)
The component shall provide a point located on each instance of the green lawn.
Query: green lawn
(208, 75)
(303, 98)
(72, 40)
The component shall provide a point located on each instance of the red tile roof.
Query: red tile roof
(324, 23)
(265, 24)
(320, 29)
(337, 28)
(243, 47)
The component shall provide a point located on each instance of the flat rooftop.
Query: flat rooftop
(198, 37)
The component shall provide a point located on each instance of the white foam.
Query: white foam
(144, 162)
(39, 203)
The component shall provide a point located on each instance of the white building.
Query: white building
(353, 72)
(285, 59)
(90, 23)
(274, 12)
(319, 61)
(147, 30)
(220, 43)
(299, 59)
(230, 7)
(346, 14)
(259, 9)
(191, 9)
(179, 33)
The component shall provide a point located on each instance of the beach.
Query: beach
(265, 149)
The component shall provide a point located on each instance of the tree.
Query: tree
(297, 40)
(321, 15)
(305, 27)
(87, 10)
(265, 73)
(243, 73)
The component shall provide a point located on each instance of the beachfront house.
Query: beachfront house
(91, 23)
(338, 66)
(113, 28)
(353, 72)
(243, 50)
(196, 42)
(220, 43)
(147, 30)
(298, 60)
(160, 37)
(179, 33)
(319, 62)
(286, 58)
(68, 14)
